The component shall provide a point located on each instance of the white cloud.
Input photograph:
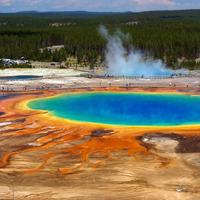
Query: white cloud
(154, 2)
(5, 2)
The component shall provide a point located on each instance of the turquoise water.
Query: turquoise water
(132, 109)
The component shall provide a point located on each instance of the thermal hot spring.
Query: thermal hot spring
(128, 109)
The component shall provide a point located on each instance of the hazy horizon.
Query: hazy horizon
(87, 11)
(92, 6)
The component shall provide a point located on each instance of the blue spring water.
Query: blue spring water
(19, 78)
(131, 109)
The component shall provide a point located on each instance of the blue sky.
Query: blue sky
(96, 5)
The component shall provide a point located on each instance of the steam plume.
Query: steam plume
(120, 62)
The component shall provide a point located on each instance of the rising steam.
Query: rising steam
(121, 62)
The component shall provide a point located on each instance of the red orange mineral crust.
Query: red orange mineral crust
(49, 138)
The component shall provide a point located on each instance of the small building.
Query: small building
(11, 62)
(132, 23)
(53, 49)
(58, 24)
(54, 65)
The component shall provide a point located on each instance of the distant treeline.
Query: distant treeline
(165, 35)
